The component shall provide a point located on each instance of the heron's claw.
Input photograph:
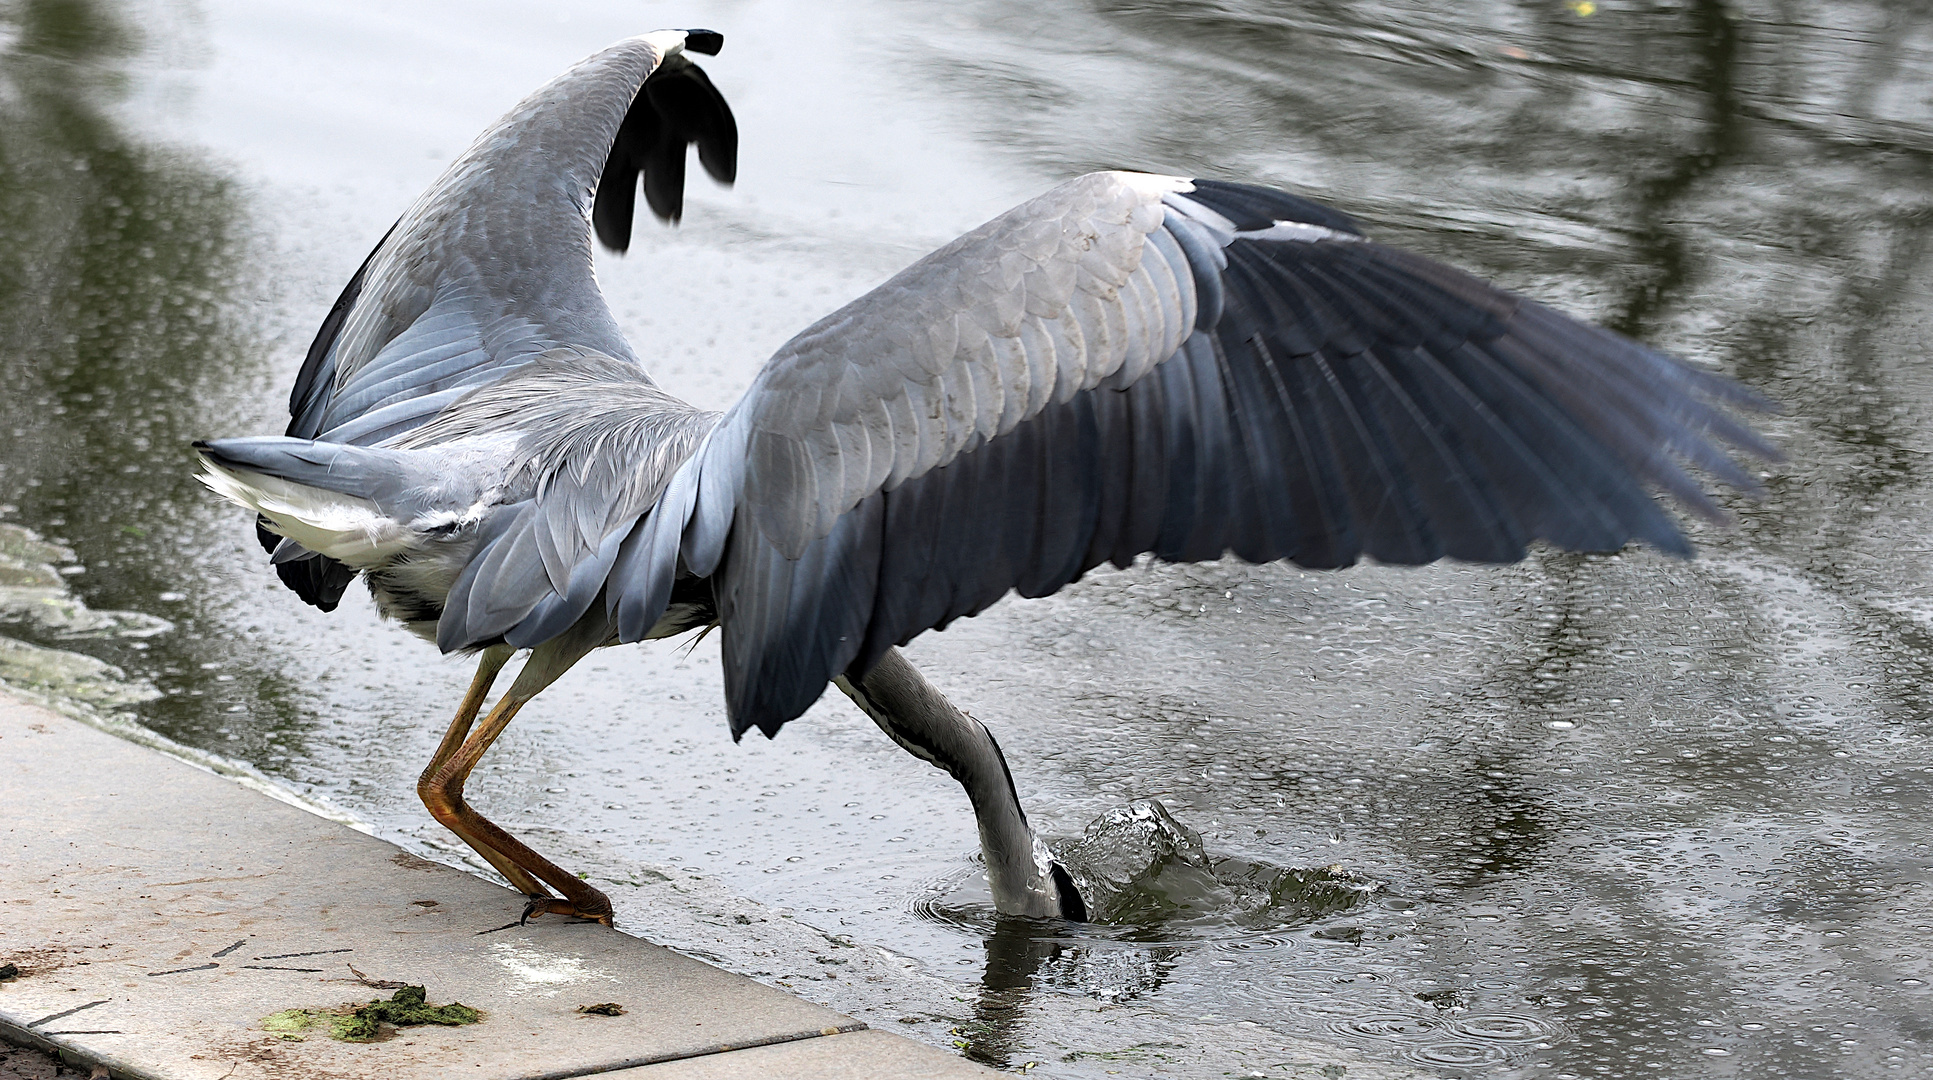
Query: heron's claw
(542, 904)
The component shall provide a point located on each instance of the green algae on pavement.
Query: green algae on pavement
(294, 1024)
(407, 1007)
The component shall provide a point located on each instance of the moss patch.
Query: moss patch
(407, 1007)
(294, 1024)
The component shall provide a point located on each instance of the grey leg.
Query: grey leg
(1026, 880)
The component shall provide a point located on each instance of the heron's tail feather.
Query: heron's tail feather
(358, 505)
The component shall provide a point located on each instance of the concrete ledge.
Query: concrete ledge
(858, 1055)
(159, 913)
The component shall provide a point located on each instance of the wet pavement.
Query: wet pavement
(180, 927)
(1615, 816)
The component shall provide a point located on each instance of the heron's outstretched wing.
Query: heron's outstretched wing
(1139, 364)
(491, 267)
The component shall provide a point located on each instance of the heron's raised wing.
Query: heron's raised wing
(1139, 364)
(491, 267)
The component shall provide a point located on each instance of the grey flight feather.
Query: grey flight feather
(598, 445)
(1135, 364)
(404, 484)
(490, 266)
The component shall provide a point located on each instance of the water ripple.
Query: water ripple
(1386, 1025)
(1506, 1027)
(1456, 1055)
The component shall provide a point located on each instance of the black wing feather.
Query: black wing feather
(676, 107)
(1251, 207)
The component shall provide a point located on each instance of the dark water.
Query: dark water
(1582, 817)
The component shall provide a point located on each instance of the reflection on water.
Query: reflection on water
(123, 329)
(1662, 819)
(1161, 901)
(1623, 816)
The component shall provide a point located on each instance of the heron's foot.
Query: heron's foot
(594, 906)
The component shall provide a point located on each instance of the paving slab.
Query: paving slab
(158, 914)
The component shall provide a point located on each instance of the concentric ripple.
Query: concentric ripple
(1456, 1055)
(1507, 1027)
(1387, 1025)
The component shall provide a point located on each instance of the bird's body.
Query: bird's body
(1126, 364)
(568, 426)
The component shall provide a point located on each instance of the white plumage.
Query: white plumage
(352, 531)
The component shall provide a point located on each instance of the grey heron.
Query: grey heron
(1127, 364)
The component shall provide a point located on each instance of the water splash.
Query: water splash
(1139, 865)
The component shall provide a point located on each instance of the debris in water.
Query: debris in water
(1456, 999)
(9, 972)
(609, 1008)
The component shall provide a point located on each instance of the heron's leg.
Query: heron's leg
(1025, 877)
(489, 662)
(443, 790)
(488, 665)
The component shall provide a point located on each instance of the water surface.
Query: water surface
(1610, 816)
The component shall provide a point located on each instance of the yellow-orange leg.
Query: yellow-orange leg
(488, 665)
(442, 792)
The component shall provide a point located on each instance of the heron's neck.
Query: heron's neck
(917, 717)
